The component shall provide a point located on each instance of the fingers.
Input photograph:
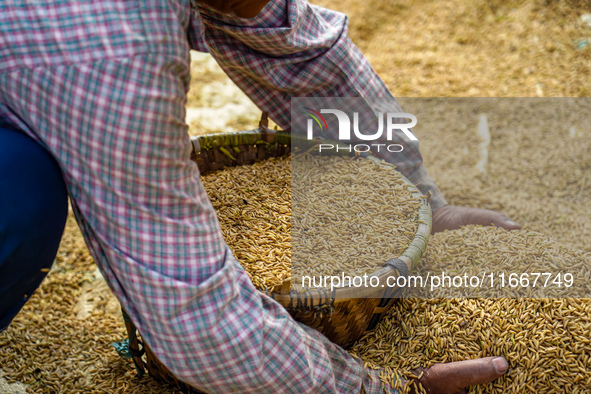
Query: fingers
(451, 217)
(487, 217)
(506, 223)
(454, 377)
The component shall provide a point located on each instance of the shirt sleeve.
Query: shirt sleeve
(295, 49)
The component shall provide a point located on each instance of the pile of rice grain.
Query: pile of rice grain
(547, 341)
(522, 264)
(350, 216)
(50, 349)
(253, 204)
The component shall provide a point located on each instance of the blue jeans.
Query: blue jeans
(33, 211)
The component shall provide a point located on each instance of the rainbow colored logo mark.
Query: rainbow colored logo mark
(316, 118)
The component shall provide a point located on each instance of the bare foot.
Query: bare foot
(450, 217)
(454, 378)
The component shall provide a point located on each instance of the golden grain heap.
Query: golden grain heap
(50, 349)
(518, 264)
(253, 208)
(351, 216)
(547, 341)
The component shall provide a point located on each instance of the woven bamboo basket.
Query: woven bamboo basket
(344, 314)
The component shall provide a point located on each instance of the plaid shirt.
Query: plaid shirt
(102, 85)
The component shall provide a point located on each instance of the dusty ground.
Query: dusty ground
(542, 178)
(14, 388)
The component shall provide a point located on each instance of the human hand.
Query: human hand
(450, 217)
(454, 378)
(246, 9)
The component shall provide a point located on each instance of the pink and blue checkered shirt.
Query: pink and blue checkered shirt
(102, 85)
